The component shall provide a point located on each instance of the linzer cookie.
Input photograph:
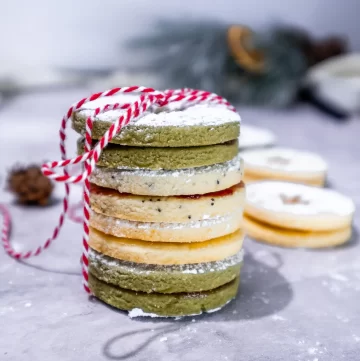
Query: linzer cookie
(284, 165)
(174, 125)
(158, 304)
(149, 278)
(166, 201)
(296, 215)
(172, 209)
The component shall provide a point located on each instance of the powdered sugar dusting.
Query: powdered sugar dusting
(173, 115)
(148, 269)
(316, 201)
(198, 180)
(137, 312)
(101, 172)
(214, 310)
(110, 222)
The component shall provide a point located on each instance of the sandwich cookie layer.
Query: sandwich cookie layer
(294, 238)
(164, 305)
(199, 180)
(161, 253)
(175, 209)
(285, 164)
(298, 206)
(252, 178)
(164, 279)
(169, 126)
(194, 231)
(116, 156)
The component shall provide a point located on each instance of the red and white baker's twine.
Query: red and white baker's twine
(147, 97)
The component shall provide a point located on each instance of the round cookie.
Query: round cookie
(252, 179)
(298, 206)
(194, 231)
(161, 182)
(170, 126)
(284, 164)
(164, 279)
(175, 209)
(133, 250)
(116, 156)
(294, 238)
(165, 305)
(252, 137)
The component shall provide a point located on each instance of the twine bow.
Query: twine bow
(148, 97)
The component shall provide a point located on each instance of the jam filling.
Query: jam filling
(223, 193)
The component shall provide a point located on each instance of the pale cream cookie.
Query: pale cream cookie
(254, 137)
(298, 206)
(294, 238)
(174, 209)
(189, 181)
(133, 250)
(251, 178)
(284, 164)
(195, 231)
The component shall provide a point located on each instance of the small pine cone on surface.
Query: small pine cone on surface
(30, 185)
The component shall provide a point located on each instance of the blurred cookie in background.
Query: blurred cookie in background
(297, 215)
(255, 137)
(284, 164)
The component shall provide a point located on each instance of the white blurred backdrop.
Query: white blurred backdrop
(89, 33)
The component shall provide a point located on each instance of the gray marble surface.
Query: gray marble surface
(293, 304)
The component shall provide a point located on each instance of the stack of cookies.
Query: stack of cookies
(167, 199)
(297, 215)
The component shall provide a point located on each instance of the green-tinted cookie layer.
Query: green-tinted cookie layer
(116, 156)
(160, 304)
(164, 279)
(165, 136)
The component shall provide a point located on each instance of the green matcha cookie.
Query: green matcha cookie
(116, 156)
(164, 279)
(171, 126)
(160, 304)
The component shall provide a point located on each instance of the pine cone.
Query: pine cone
(30, 185)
